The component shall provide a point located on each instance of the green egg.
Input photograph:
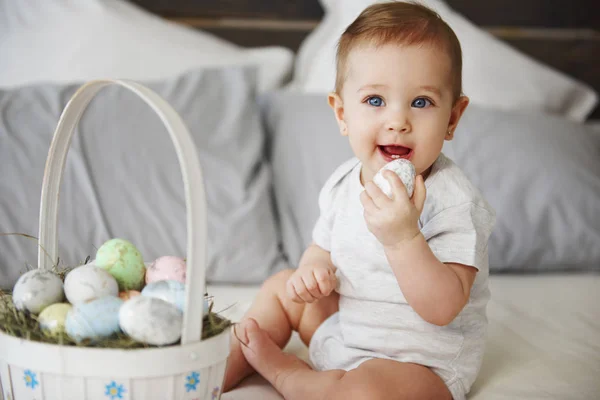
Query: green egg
(124, 262)
(52, 318)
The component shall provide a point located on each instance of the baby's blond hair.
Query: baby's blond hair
(400, 23)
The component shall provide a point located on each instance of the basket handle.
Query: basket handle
(191, 171)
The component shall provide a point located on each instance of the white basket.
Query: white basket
(192, 370)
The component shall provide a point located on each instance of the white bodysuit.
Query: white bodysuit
(374, 318)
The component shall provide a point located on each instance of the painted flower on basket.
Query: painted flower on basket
(215, 393)
(191, 381)
(114, 391)
(30, 379)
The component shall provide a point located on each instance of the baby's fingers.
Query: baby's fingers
(301, 291)
(291, 291)
(310, 283)
(326, 280)
(379, 198)
(420, 193)
(367, 201)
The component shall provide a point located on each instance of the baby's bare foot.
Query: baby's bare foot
(266, 357)
(237, 366)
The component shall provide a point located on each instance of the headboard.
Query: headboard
(564, 34)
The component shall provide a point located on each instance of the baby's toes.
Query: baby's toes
(266, 357)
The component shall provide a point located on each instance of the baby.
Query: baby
(391, 295)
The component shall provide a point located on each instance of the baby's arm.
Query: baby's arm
(314, 278)
(436, 291)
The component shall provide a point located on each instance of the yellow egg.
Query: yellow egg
(52, 318)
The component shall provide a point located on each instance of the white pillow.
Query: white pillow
(70, 41)
(494, 74)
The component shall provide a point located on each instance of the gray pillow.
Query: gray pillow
(122, 177)
(540, 173)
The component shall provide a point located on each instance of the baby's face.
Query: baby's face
(396, 101)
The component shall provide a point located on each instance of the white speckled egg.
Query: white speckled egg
(36, 290)
(52, 318)
(95, 319)
(405, 171)
(170, 291)
(89, 282)
(150, 320)
(166, 268)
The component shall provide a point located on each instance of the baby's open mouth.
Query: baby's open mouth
(392, 152)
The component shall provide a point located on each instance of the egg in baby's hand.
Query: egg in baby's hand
(36, 290)
(166, 268)
(405, 171)
(89, 282)
(94, 320)
(123, 261)
(52, 319)
(151, 320)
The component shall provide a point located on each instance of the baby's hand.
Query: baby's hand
(393, 220)
(310, 283)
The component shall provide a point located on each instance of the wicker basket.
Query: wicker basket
(192, 370)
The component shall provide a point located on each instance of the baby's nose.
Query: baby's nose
(398, 122)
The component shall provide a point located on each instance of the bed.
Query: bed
(540, 346)
(273, 60)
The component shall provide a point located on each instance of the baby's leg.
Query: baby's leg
(278, 316)
(375, 379)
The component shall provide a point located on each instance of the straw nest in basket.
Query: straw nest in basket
(24, 324)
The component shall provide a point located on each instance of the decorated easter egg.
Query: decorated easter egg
(36, 290)
(169, 291)
(151, 320)
(123, 261)
(166, 268)
(405, 171)
(96, 319)
(52, 318)
(172, 292)
(89, 282)
(128, 294)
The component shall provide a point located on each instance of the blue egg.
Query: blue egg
(94, 320)
(171, 291)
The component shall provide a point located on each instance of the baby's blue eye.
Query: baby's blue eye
(375, 101)
(421, 103)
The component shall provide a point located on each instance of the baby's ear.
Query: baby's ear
(458, 109)
(336, 104)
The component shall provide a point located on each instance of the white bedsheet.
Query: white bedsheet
(543, 341)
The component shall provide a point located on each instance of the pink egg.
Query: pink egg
(166, 268)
